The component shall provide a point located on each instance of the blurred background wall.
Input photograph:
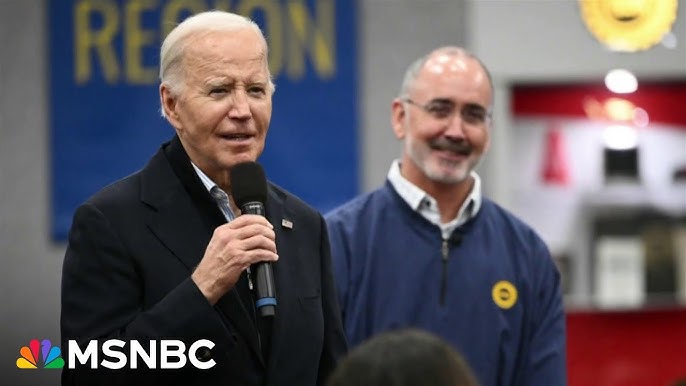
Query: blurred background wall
(521, 41)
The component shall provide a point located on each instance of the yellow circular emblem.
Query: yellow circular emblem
(504, 294)
(629, 25)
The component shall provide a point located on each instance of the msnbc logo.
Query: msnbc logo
(30, 360)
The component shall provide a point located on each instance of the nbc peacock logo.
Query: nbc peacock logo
(30, 358)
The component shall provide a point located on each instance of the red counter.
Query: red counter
(626, 348)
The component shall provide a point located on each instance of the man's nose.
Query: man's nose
(455, 126)
(240, 108)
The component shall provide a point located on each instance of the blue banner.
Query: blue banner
(104, 105)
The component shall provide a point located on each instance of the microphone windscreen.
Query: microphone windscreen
(248, 183)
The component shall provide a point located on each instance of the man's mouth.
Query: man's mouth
(457, 149)
(237, 137)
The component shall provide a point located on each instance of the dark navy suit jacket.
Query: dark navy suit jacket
(126, 275)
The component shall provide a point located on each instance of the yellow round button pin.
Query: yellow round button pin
(504, 294)
(629, 25)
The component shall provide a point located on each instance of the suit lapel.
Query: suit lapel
(186, 216)
(276, 211)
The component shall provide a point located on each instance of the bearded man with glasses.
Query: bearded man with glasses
(427, 250)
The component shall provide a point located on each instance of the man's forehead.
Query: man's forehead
(221, 59)
(444, 70)
(219, 50)
(215, 43)
(446, 64)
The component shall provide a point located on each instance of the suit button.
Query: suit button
(203, 354)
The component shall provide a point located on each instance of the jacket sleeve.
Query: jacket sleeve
(335, 344)
(339, 258)
(545, 364)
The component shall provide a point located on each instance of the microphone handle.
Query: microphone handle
(264, 287)
(264, 276)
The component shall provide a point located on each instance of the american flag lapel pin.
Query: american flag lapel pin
(288, 224)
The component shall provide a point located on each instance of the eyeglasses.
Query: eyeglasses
(443, 109)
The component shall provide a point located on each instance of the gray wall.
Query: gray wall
(544, 40)
(517, 39)
(31, 264)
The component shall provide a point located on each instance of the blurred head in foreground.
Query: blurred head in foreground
(407, 357)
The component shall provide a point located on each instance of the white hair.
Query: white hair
(175, 44)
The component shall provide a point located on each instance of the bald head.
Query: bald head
(443, 61)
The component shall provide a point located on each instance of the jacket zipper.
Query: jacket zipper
(444, 278)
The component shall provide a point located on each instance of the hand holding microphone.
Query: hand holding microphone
(249, 189)
(246, 241)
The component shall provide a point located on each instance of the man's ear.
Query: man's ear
(168, 103)
(398, 118)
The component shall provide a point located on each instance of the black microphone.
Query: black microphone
(249, 190)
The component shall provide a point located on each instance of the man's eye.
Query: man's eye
(217, 91)
(440, 111)
(257, 90)
(474, 115)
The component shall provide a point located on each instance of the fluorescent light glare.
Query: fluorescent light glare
(620, 137)
(641, 118)
(621, 81)
(618, 109)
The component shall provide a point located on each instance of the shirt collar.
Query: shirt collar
(423, 203)
(207, 181)
(413, 195)
(217, 194)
